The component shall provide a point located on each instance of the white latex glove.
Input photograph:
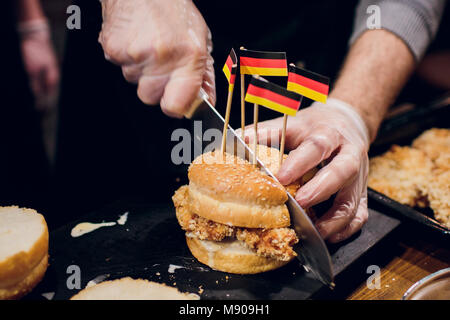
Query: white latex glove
(333, 131)
(164, 46)
(40, 61)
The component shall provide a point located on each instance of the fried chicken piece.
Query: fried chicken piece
(199, 227)
(439, 196)
(434, 143)
(274, 243)
(403, 174)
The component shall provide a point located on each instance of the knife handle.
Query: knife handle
(202, 96)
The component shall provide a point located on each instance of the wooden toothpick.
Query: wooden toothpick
(283, 139)
(242, 104)
(255, 126)
(227, 120)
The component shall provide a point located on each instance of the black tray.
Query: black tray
(407, 212)
(151, 240)
(402, 129)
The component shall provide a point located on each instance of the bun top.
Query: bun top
(231, 179)
(132, 289)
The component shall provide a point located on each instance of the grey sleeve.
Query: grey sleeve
(414, 21)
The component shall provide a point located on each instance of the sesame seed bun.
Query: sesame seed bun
(236, 193)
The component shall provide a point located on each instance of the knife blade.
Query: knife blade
(311, 249)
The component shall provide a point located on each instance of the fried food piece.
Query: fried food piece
(435, 143)
(403, 174)
(199, 227)
(443, 162)
(273, 243)
(439, 196)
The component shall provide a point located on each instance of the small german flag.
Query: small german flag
(263, 63)
(308, 84)
(272, 96)
(230, 68)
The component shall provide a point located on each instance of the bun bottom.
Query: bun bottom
(24, 286)
(231, 256)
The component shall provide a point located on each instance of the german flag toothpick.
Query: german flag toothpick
(230, 68)
(309, 84)
(272, 96)
(263, 63)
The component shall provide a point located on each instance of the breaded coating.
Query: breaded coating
(403, 174)
(418, 176)
(443, 162)
(434, 143)
(439, 196)
(199, 227)
(273, 243)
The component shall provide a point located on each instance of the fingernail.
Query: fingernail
(302, 201)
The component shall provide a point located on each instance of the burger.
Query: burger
(234, 215)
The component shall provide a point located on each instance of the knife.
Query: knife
(311, 249)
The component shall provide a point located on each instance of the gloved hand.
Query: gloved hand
(333, 131)
(40, 61)
(164, 46)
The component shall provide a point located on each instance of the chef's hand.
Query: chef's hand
(164, 46)
(40, 61)
(333, 131)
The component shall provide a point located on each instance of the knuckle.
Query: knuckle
(353, 166)
(321, 142)
(139, 51)
(163, 50)
(111, 47)
(129, 75)
(195, 52)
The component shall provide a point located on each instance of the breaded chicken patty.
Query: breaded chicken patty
(435, 143)
(274, 243)
(402, 174)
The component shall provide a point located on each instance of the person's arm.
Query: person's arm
(28, 10)
(381, 60)
(37, 51)
(376, 69)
